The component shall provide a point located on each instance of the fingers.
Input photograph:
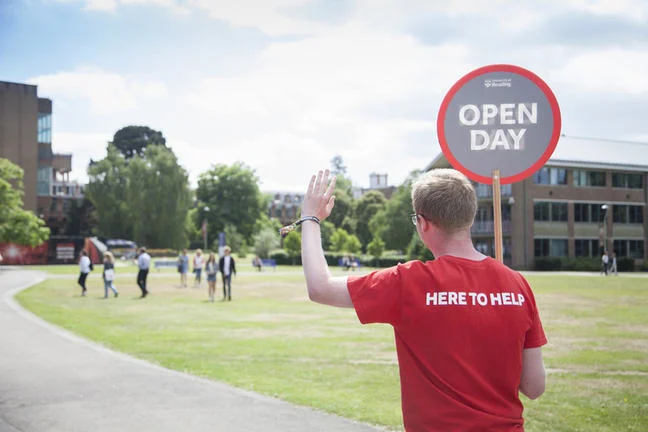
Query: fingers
(319, 184)
(309, 191)
(331, 188)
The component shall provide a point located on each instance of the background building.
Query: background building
(26, 140)
(582, 202)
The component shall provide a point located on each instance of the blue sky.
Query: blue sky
(285, 85)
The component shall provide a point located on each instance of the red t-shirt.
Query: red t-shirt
(460, 329)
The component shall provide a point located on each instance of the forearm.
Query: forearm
(322, 286)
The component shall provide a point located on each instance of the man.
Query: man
(84, 269)
(605, 260)
(467, 329)
(227, 267)
(613, 265)
(143, 263)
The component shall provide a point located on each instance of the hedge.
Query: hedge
(580, 264)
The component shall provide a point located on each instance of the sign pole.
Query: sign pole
(497, 215)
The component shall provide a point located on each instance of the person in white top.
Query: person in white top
(143, 263)
(613, 265)
(227, 268)
(198, 266)
(604, 263)
(84, 268)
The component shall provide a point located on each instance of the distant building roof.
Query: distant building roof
(589, 153)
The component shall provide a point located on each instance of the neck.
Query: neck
(457, 244)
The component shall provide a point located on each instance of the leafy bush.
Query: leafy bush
(591, 264)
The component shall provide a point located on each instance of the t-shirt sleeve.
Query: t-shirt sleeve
(376, 296)
(535, 336)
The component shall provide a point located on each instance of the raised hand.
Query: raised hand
(319, 199)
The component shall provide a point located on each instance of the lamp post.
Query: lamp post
(603, 233)
(204, 227)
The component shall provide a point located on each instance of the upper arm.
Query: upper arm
(534, 377)
(333, 293)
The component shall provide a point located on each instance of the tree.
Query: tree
(159, 186)
(292, 245)
(327, 229)
(234, 239)
(17, 225)
(416, 250)
(265, 241)
(106, 190)
(367, 206)
(133, 140)
(337, 166)
(395, 225)
(233, 196)
(376, 247)
(339, 240)
(352, 244)
(145, 198)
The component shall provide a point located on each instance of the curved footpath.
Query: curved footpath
(53, 381)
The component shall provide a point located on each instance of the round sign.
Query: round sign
(499, 117)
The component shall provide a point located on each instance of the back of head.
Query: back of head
(446, 198)
(142, 249)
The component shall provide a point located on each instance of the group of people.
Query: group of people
(609, 264)
(226, 266)
(108, 274)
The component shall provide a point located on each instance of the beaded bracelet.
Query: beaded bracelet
(288, 228)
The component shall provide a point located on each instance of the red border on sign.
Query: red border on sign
(555, 109)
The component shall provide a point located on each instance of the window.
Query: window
(44, 128)
(635, 214)
(620, 214)
(588, 213)
(43, 177)
(550, 176)
(636, 248)
(586, 247)
(559, 212)
(589, 178)
(628, 181)
(550, 247)
(559, 248)
(550, 211)
(541, 247)
(541, 211)
(629, 248)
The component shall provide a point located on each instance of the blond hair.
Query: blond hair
(446, 198)
(110, 257)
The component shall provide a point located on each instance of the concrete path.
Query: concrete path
(53, 381)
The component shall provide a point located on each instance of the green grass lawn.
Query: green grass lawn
(272, 340)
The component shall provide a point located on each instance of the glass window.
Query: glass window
(635, 214)
(589, 178)
(541, 211)
(559, 247)
(541, 247)
(550, 176)
(586, 247)
(45, 128)
(483, 190)
(581, 212)
(559, 212)
(621, 248)
(629, 181)
(620, 214)
(636, 248)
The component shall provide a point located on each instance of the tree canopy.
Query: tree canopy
(232, 194)
(133, 140)
(145, 199)
(17, 225)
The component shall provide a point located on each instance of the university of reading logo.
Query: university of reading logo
(503, 82)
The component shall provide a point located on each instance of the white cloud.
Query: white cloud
(105, 92)
(611, 71)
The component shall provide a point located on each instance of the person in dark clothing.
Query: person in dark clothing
(143, 263)
(227, 267)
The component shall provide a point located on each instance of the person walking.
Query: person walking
(198, 267)
(613, 265)
(85, 266)
(227, 267)
(109, 274)
(143, 263)
(183, 267)
(211, 270)
(605, 260)
(467, 329)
